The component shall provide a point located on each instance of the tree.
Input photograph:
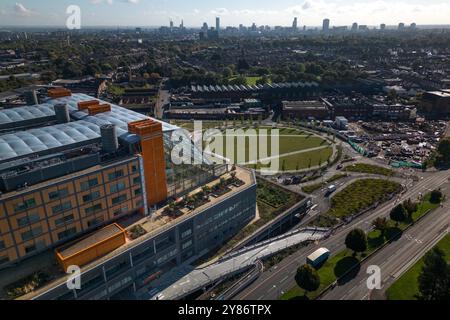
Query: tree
(410, 207)
(380, 224)
(436, 196)
(434, 278)
(356, 241)
(399, 214)
(307, 278)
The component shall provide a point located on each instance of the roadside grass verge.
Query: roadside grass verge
(407, 287)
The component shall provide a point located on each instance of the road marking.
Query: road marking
(284, 279)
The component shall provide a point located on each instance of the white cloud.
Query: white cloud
(20, 10)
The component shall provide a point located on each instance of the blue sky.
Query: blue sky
(232, 12)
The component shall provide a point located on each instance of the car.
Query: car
(339, 167)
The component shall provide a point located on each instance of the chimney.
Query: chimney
(110, 143)
(62, 113)
(31, 97)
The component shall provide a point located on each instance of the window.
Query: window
(91, 197)
(136, 180)
(121, 211)
(93, 209)
(95, 222)
(186, 245)
(119, 199)
(25, 205)
(118, 187)
(134, 168)
(31, 234)
(138, 192)
(186, 233)
(30, 249)
(64, 220)
(58, 194)
(89, 184)
(2, 245)
(30, 219)
(62, 207)
(115, 175)
(67, 233)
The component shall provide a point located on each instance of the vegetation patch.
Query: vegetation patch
(361, 195)
(26, 285)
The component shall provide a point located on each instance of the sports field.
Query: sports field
(296, 149)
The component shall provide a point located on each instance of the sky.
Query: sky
(146, 13)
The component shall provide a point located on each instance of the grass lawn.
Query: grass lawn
(335, 267)
(362, 194)
(290, 140)
(368, 168)
(406, 287)
(251, 80)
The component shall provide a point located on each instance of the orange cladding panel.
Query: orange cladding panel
(83, 105)
(152, 145)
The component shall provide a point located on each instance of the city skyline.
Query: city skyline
(231, 13)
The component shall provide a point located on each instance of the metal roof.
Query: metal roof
(84, 130)
(40, 139)
(19, 114)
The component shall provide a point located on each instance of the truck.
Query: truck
(318, 257)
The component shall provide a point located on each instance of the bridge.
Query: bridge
(237, 262)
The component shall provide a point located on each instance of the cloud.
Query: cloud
(20, 10)
(102, 1)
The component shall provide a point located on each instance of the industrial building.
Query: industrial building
(73, 165)
(305, 110)
(436, 104)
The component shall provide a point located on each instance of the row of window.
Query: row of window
(86, 185)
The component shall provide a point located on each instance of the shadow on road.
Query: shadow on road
(341, 270)
(393, 234)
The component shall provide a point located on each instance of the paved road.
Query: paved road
(162, 100)
(280, 278)
(396, 258)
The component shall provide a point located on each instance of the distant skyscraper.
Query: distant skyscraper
(413, 25)
(182, 24)
(382, 26)
(217, 24)
(295, 24)
(171, 25)
(326, 25)
(205, 27)
(401, 26)
(354, 26)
